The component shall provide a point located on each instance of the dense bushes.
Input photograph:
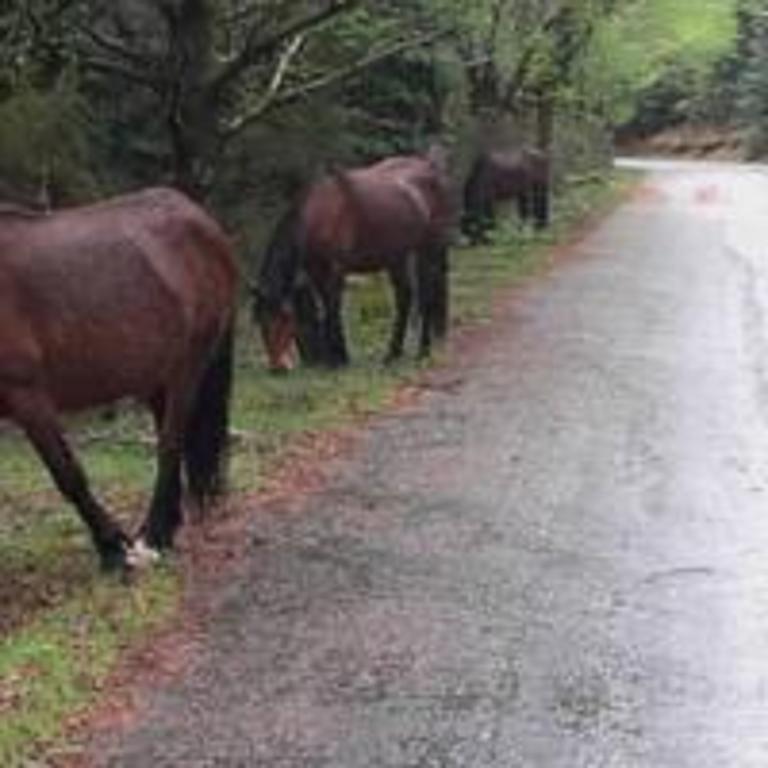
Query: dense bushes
(240, 102)
(722, 82)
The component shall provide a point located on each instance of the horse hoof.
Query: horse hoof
(139, 556)
(113, 553)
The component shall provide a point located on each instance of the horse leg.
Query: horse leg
(488, 220)
(425, 285)
(36, 415)
(524, 205)
(164, 516)
(433, 289)
(400, 279)
(439, 275)
(541, 205)
(331, 293)
(309, 337)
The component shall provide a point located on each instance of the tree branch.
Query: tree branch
(255, 49)
(240, 15)
(120, 70)
(521, 70)
(323, 82)
(493, 34)
(114, 46)
(276, 81)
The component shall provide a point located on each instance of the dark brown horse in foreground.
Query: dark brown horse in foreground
(392, 216)
(133, 297)
(521, 175)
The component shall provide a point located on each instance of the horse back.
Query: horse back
(362, 216)
(519, 167)
(105, 301)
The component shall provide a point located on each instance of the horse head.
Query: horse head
(277, 323)
(283, 301)
(271, 293)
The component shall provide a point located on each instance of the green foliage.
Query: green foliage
(748, 68)
(712, 70)
(658, 54)
(222, 96)
(57, 665)
(44, 144)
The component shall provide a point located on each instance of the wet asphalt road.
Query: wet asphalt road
(557, 559)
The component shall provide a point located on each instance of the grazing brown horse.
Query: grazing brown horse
(356, 221)
(521, 175)
(133, 297)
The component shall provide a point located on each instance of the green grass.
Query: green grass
(63, 625)
(58, 663)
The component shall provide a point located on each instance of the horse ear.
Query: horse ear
(437, 153)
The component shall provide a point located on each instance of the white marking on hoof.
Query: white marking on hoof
(139, 556)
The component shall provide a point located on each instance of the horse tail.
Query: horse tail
(440, 292)
(207, 432)
(540, 175)
(432, 285)
(433, 290)
(475, 201)
(542, 197)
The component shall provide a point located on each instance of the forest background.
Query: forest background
(241, 102)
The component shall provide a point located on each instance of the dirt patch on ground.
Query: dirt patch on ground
(24, 594)
(210, 555)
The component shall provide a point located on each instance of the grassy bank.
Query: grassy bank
(62, 625)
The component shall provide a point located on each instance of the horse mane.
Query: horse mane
(280, 264)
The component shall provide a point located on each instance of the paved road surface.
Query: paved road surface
(559, 559)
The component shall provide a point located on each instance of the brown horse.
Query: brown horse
(356, 221)
(133, 297)
(521, 175)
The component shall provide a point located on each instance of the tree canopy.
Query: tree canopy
(224, 98)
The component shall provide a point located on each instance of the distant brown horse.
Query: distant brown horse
(357, 221)
(133, 297)
(521, 175)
